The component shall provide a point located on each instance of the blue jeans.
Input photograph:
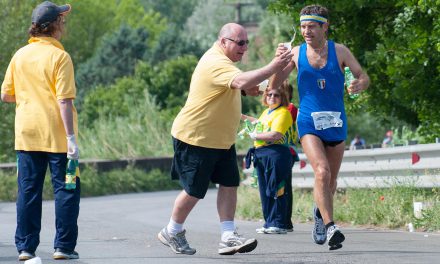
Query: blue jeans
(32, 166)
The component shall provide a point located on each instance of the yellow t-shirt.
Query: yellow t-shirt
(279, 120)
(211, 115)
(40, 74)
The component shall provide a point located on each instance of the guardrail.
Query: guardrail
(415, 165)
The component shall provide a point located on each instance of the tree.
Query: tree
(206, 20)
(398, 44)
(116, 57)
(176, 12)
(168, 81)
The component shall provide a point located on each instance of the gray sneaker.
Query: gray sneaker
(235, 244)
(177, 243)
(318, 233)
(334, 237)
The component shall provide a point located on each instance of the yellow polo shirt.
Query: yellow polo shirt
(211, 115)
(279, 120)
(40, 74)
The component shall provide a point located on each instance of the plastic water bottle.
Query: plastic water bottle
(259, 129)
(72, 171)
(348, 78)
(248, 128)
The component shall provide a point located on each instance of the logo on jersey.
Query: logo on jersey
(321, 83)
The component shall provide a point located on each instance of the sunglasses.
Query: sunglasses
(274, 95)
(239, 43)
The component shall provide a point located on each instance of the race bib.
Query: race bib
(324, 120)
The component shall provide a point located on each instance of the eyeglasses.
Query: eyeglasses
(274, 95)
(240, 43)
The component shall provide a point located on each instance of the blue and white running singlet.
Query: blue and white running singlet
(321, 97)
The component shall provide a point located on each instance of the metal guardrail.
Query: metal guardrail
(414, 165)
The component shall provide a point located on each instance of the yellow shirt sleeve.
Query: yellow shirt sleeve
(64, 78)
(8, 83)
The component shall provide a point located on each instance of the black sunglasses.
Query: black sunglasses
(239, 43)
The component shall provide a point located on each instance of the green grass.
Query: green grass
(129, 180)
(388, 208)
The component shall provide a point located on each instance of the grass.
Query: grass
(129, 180)
(388, 208)
(144, 132)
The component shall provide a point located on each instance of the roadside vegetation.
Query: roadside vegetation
(390, 208)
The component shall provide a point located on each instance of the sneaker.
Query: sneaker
(275, 230)
(177, 243)
(236, 243)
(290, 229)
(318, 232)
(25, 255)
(334, 237)
(260, 230)
(63, 254)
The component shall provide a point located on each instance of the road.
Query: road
(123, 228)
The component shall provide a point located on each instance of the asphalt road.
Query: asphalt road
(123, 229)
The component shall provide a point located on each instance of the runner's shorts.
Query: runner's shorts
(196, 167)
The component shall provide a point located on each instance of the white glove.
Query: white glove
(253, 135)
(72, 148)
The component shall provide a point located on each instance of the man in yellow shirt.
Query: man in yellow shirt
(40, 81)
(204, 133)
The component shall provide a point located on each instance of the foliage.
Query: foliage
(86, 24)
(129, 180)
(397, 42)
(389, 207)
(112, 101)
(169, 80)
(176, 12)
(90, 20)
(206, 20)
(142, 132)
(173, 43)
(116, 57)
(93, 183)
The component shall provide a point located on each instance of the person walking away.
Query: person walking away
(40, 81)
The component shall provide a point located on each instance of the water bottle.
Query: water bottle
(72, 171)
(248, 128)
(348, 78)
(254, 179)
(259, 129)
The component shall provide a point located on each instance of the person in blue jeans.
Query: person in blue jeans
(40, 81)
(273, 161)
(321, 120)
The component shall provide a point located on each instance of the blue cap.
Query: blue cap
(47, 12)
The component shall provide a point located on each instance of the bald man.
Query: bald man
(203, 136)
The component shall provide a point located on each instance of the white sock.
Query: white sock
(228, 228)
(173, 227)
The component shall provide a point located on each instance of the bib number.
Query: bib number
(327, 119)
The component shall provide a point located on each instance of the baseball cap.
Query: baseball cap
(47, 12)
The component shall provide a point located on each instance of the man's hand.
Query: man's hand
(280, 61)
(280, 49)
(72, 148)
(254, 91)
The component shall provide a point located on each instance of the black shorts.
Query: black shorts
(196, 167)
(331, 143)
